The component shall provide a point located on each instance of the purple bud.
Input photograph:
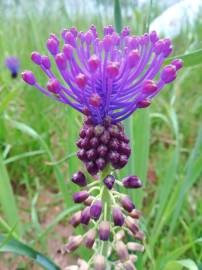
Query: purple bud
(168, 73)
(125, 149)
(178, 63)
(153, 36)
(93, 63)
(96, 210)
(102, 150)
(132, 182)
(144, 103)
(75, 219)
(101, 163)
(117, 216)
(80, 196)
(114, 131)
(69, 38)
(109, 181)
(53, 86)
(90, 132)
(36, 58)
(61, 61)
(52, 46)
(149, 87)
(28, 77)
(74, 243)
(85, 143)
(104, 231)
(81, 80)
(82, 133)
(89, 239)
(85, 215)
(135, 247)
(123, 161)
(68, 51)
(79, 179)
(127, 204)
(135, 214)
(45, 61)
(133, 58)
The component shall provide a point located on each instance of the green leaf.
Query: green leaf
(178, 265)
(190, 59)
(117, 16)
(17, 247)
(7, 199)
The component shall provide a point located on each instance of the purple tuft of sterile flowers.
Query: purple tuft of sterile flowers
(112, 76)
(13, 64)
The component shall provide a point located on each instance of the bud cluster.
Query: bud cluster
(112, 228)
(103, 144)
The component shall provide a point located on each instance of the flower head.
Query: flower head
(13, 64)
(108, 77)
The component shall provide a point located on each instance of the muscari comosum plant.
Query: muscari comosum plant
(106, 79)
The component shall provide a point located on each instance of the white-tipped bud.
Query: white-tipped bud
(129, 266)
(99, 263)
(83, 265)
(135, 247)
(140, 235)
(120, 235)
(133, 258)
(74, 243)
(89, 201)
(122, 251)
(135, 214)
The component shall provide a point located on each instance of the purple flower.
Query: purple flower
(13, 64)
(132, 182)
(109, 77)
(96, 210)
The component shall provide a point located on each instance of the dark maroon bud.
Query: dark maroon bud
(74, 243)
(79, 179)
(132, 225)
(94, 142)
(114, 156)
(75, 219)
(126, 139)
(79, 143)
(109, 181)
(85, 143)
(114, 131)
(91, 167)
(101, 163)
(102, 150)
(127, 204)
(80, 196)
(85, 215)
(114, 144)
(82, 133)
(99, 130)
(117, 217)
(91, 154)
(123, 161)
(81, 154)
(89, 132)
(105, 137)
(96, 210)
(132, 182)
(107, 121)
(104, 231)
(89, 121)
(86, 111)
(125, 149)
(89, 239)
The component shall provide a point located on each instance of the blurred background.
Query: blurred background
(37, 151)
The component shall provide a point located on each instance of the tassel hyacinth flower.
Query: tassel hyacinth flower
(106, 79)
(13, 64)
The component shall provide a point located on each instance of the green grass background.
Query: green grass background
(35, 133)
